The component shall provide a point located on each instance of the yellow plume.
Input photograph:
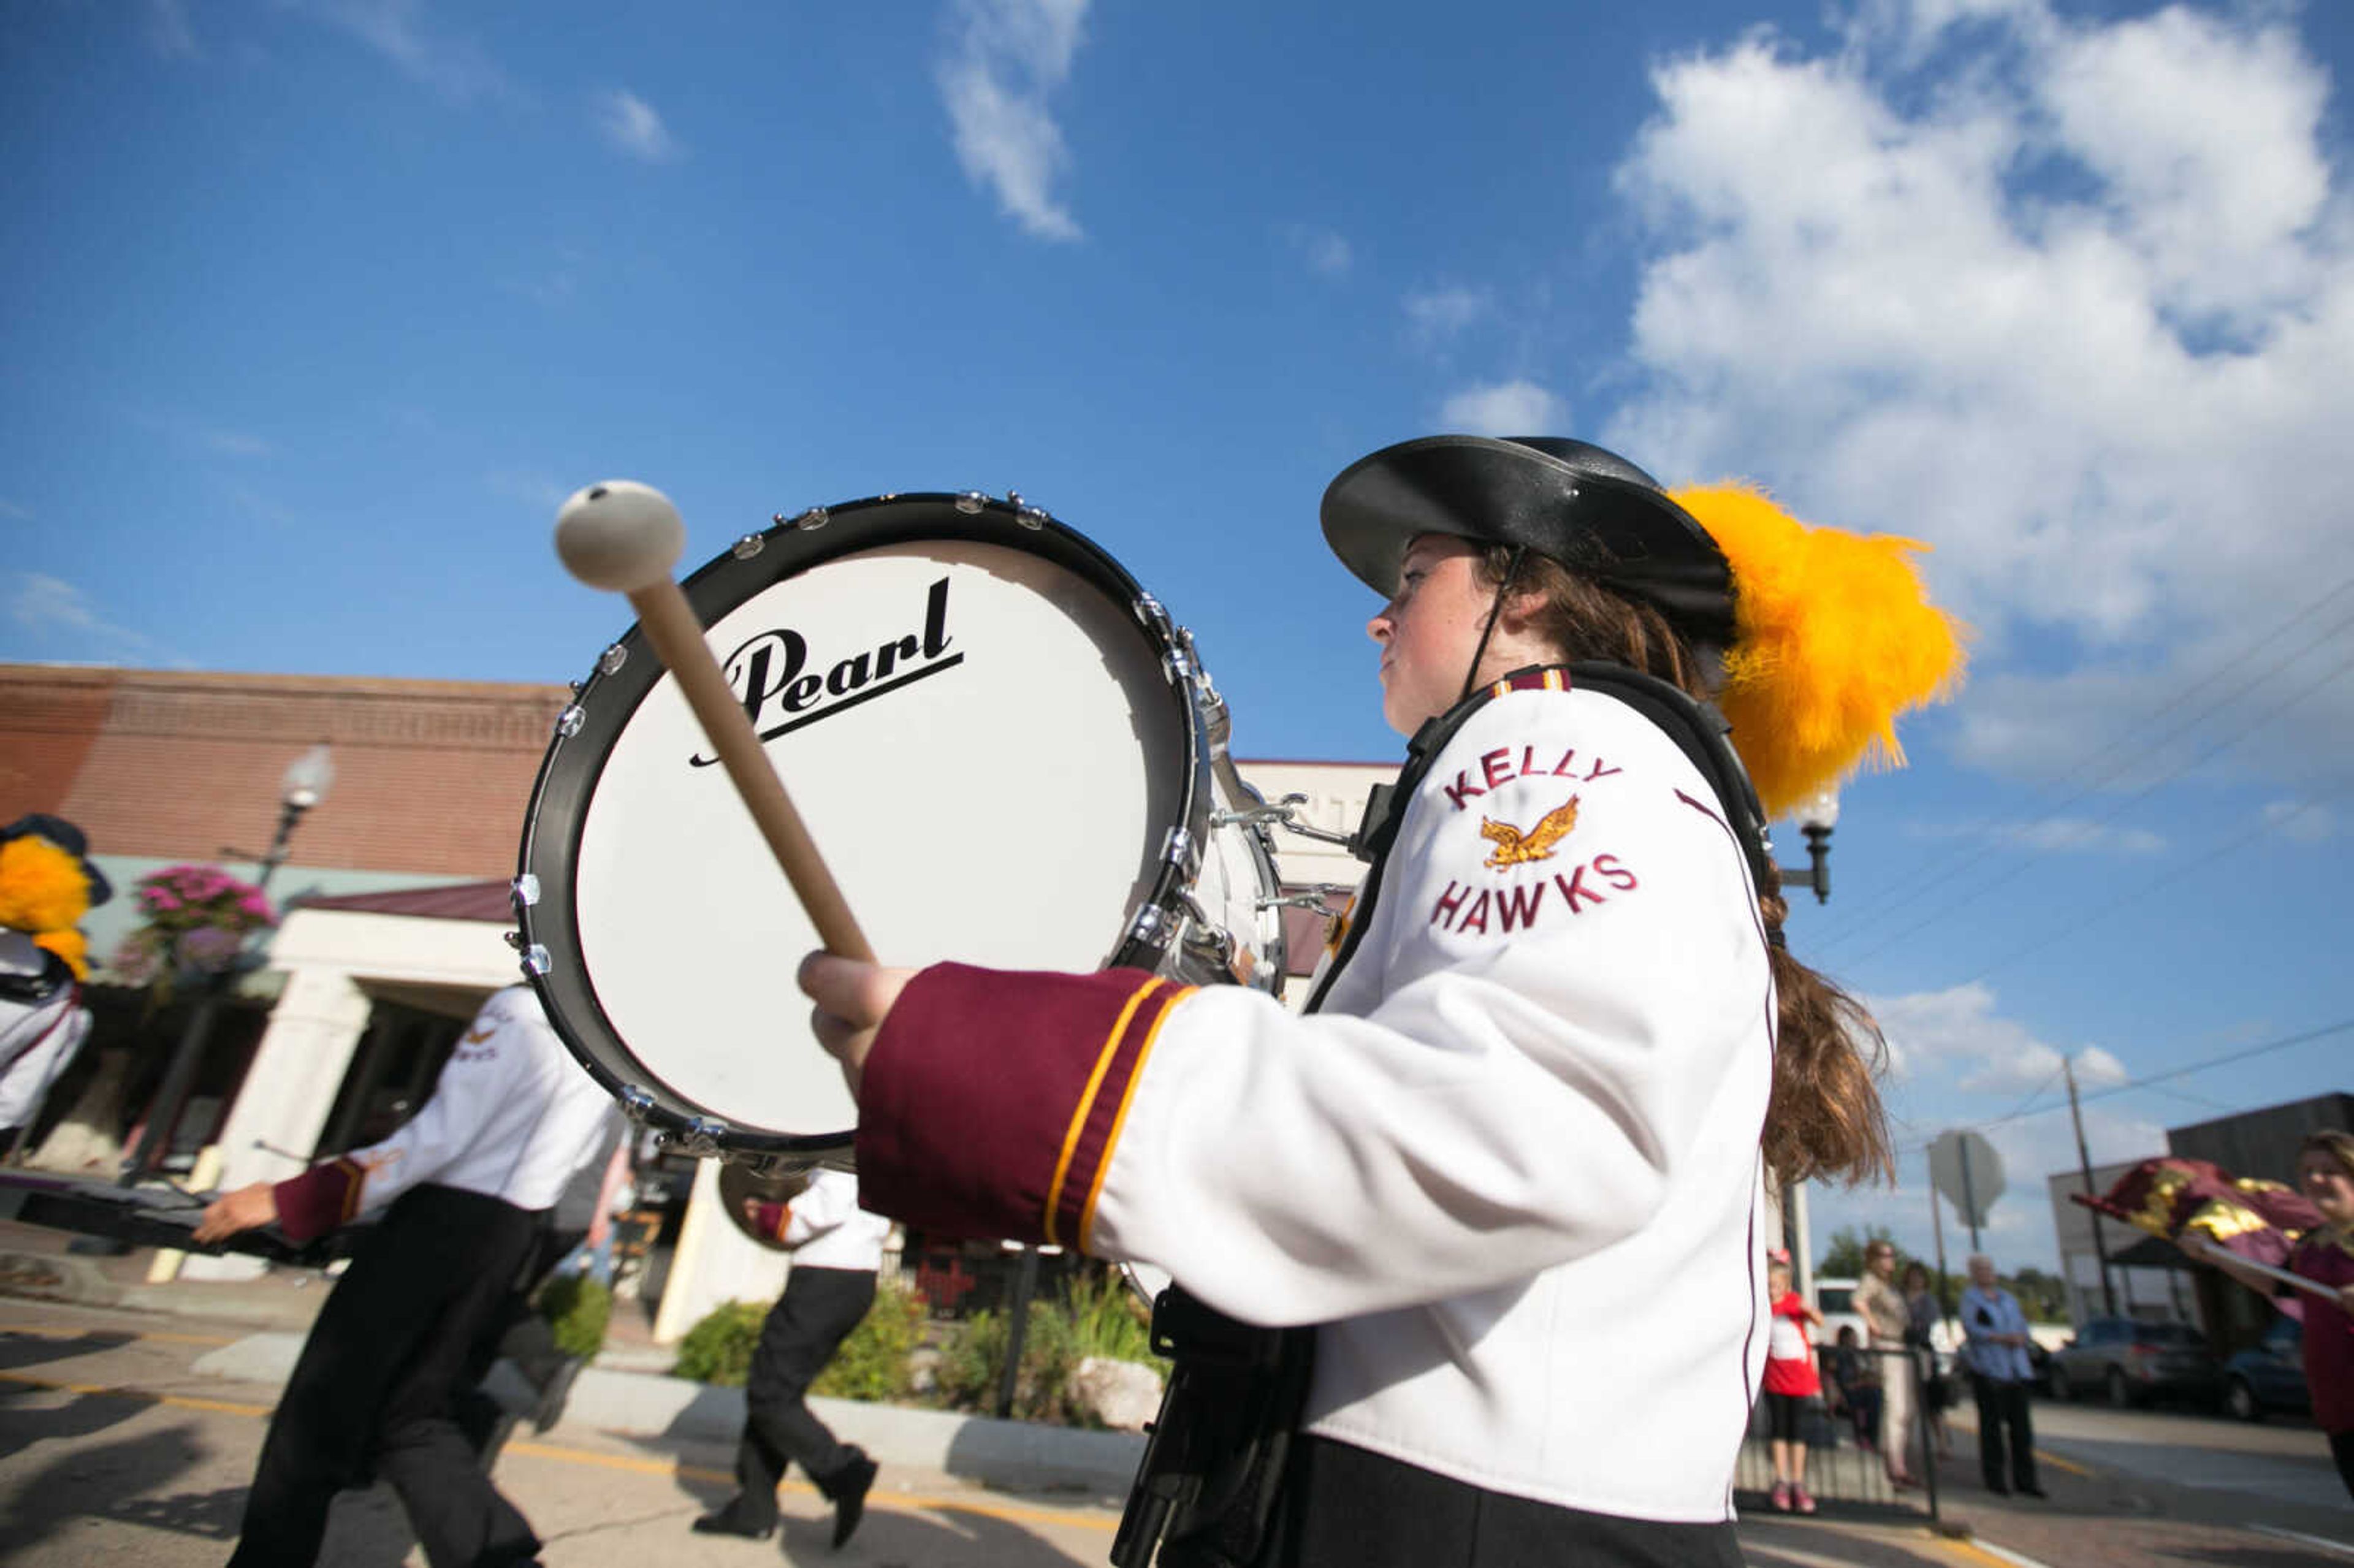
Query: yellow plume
(42, 888)
(70, 945)
(1833, 637)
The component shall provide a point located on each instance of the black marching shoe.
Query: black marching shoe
(849, 1497)
(727, 1521)
(2031, 1490)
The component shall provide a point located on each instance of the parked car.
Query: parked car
(2269, 1375)
(2132, 1362)
(1835, 1299)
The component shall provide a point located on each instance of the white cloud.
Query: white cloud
(1327, 254)
(169, 31)
(1504, 408)
(457, 69)
(629, 123)
(2301, 821)
(1006, 59)
(2055, 835)
(219, 440)
(1436, 315)
(2078, 309)
(542, 491)
(15, 513)
(1956, 1035)
(62, 615)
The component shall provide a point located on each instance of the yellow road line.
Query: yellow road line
(903, 1502)
(1971, 1552)
(42, 1331)
(180, 1401)
(2057, 1463)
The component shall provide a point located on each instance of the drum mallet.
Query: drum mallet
(625, 537)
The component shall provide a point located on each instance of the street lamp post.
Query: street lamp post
(1816, 818)
(305, 786)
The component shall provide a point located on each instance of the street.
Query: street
(113, 1449)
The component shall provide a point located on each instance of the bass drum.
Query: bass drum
(1005, 749)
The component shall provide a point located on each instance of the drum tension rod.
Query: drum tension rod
(1310, 897)
(1285, 814)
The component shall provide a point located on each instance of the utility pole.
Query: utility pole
(1937, 1230)
(2085, 1164)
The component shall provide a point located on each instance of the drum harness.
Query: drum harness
(1215, 1459)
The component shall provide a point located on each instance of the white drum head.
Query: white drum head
(985, 749)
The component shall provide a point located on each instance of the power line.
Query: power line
(1912, 887)
(2078, 922)
(2151, 1080)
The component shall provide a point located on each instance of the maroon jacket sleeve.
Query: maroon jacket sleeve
(318, 1199)
(770, 1219)
(991, 1100)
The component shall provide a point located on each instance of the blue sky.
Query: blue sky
(312, 310)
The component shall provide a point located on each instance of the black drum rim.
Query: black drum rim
(627, 671)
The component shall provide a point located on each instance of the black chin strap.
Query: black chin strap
(1513, 570)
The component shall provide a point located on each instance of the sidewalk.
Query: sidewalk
(625, 1390)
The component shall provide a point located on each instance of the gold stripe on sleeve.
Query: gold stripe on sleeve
(1086, 1103)
(1119, 1119)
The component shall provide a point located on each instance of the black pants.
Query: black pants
(1345, 1505)
(2342, 1449)
(408, 1326)
(2002, 1407)
(817, 1311)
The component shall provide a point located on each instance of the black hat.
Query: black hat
(67, 837)
(1589, 509)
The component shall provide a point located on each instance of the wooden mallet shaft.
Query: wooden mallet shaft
(625, 537)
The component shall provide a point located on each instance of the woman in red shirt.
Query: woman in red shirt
(1791, 1381)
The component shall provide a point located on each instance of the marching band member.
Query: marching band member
(47, 884)
(837, 1247)
(1511, 1165)
(464, 1187)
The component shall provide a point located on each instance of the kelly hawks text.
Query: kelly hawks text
(1479, 907)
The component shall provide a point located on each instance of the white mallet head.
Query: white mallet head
(620, 536)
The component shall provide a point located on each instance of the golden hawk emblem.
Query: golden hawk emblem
(1514, 847)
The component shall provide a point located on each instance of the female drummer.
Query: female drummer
(1512, 1163)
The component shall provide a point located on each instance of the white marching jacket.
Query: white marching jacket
(39, 1038)
(513, 1116)
(825, 1227)
(1510, 1166)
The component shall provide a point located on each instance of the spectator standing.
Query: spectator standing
(1890, 1321)
(2324, 1173)
(1996, 1346)
(1937, 1393)
(1791, 1380)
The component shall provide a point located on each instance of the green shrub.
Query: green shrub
(1109, 1320)
(972, 1364)
(872, 1363)
(579, 1309)
(719, 1349)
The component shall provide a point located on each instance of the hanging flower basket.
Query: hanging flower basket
(198, 917)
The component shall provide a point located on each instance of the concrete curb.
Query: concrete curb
(645, 1404)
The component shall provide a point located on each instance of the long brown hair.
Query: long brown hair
(1824, 1117)
(2332, 1143)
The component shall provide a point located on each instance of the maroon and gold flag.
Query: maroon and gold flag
(2260, 1220)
